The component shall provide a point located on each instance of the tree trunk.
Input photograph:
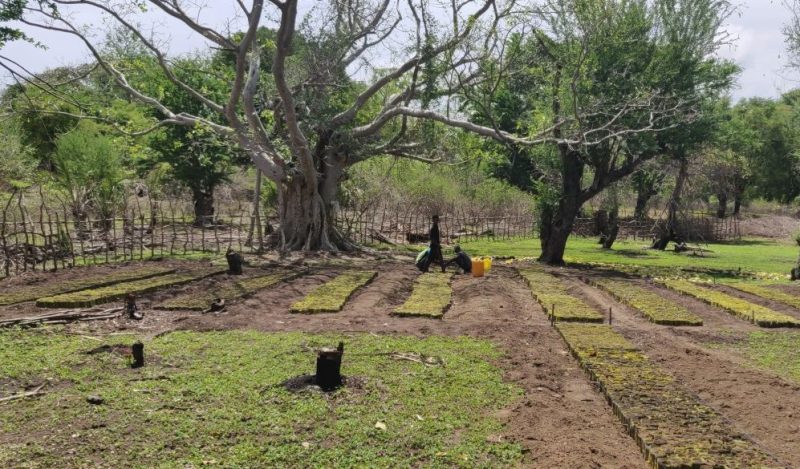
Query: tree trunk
(556, 228)
(203, 207)
(668, 234)
(613, 229)
(737, 204)
(255, 221)
(722, 208)
(642, 197)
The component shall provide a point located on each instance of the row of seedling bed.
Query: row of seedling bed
(672, 426)
(431, 295)
(555, 298)
(757, 314)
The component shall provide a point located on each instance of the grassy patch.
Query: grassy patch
(230, 291)
(671, 425)
(96, 296)
(551, 293)
(749, 255)
(431, 296)
(777, 351)
(49, 288)
(215, 398)
(654, 307)
(768, 293)
(331, 296)
(752, 312)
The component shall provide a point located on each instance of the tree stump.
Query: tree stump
(329, 366)
(795, 273)
(235, 261)
(131, 309)
(137, 351)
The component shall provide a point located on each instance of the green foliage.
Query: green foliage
(769, 293)
(331, 296)
(83, 281)
(776, 351)
(217, 396)
(96, 296)
(17, 164)
(430, 297)
(89, 170)
(743, 309)
(551, 293)
(672, 426)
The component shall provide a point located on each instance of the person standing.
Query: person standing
(435, 246)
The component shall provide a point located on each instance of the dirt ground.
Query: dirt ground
(561, 419)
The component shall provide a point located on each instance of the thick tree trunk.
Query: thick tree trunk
(557, 226)
(640, 213)
(203, 207)
(722, 206)
(613, 229)
(307, 211)
(669, 232)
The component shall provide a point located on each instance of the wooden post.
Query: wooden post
(329, 365)
(553, 315)
(609, 315)
(137, 351)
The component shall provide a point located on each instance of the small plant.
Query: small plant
(96, 296)
(652, 306)
(551, 293)
(331, 296)
(431, 296)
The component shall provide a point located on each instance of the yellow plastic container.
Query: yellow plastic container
(487, 264)
(477, 267)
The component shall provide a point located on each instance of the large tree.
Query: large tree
(614, 83)
(272, 118)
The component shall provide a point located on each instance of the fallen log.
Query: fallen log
(34, 392)
(63, 317)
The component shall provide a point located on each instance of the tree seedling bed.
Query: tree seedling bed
(550, 291)
(331, 296)
(652, 306)
(768, 293)
(757, 314)
(670, 424)
(50, 288)
(230, 291)
(431, 297)
(96, 296)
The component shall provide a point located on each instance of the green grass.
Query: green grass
(776, 351)
(752, 255)
(96, 296)
(654, 307)
(48, 288)
(331, 296)
(672, 426)
(551, 293)
(757, 314)
(231, 290)
(431, 296)
(215, 399)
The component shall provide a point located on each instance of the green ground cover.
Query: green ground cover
(654, 307)
(96, 296)
(776, 351)
(431, 296)
(20, 294)
(672, 426)
(752, 255)
(214, 399)
(551, 293)
(331, 296)
(743, 309)
(231, 290)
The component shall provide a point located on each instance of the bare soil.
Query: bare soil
(560, 418)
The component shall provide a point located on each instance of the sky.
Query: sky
(756, 36)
